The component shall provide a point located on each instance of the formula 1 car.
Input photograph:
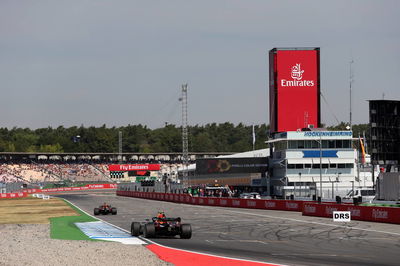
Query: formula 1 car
(162, 227)
(105, 209)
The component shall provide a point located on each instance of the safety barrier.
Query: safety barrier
(282, 205)
(362, 213)
(13, 195)
(41, 196)
(63, 189)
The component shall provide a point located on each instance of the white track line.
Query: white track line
(195, 252)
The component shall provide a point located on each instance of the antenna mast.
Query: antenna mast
(351, 76)
(185, 144)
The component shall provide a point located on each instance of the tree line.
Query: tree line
(213, 137)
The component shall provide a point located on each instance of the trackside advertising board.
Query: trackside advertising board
(231, 165)
(294, 89)
(134, 167)
(63, 189)
(13, 195)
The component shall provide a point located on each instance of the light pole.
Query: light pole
(352, 188)
(320, 165)
(337, 181)
(300, 183)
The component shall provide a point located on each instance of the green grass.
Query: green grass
(69, 184)
(65, 228)
(380, 205)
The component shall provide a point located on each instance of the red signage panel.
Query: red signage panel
(294, 89)
(134, 167)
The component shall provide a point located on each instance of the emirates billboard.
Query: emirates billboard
(134, 167)
(294, 89)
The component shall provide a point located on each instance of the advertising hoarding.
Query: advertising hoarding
(294, 89)
(231, 165)
(134, 167)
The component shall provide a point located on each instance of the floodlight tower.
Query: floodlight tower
(185, 144)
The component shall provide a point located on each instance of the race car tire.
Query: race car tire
(135, 229)
(149, 231)
(96, 211)
(113, 211)
(186, 231)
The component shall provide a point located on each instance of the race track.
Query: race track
(262, 235)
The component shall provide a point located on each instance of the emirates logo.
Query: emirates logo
(297, 73)
(297, 78)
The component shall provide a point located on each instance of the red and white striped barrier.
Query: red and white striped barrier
(283, 205)
(13, 195)
(363, 213)
(63, 189)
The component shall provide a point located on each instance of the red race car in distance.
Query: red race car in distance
(105, 209)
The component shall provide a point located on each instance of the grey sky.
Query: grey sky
(95, 62)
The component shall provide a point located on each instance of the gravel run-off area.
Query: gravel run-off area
(30, 244)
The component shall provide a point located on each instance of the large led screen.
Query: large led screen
(295, 92)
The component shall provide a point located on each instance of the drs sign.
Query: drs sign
(341, 216)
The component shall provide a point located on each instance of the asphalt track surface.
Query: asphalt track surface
(262, 235)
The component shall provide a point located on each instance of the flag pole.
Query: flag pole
(254, 138)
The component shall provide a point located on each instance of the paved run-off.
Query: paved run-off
(30, 244)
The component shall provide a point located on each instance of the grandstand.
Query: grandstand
(82, 167)
(52, 172)
(56, 171)
(33, 170)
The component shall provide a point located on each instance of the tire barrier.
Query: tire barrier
(308, 208)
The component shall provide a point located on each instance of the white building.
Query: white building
(303, 161)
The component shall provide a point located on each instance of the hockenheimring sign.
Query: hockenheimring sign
(328, 134)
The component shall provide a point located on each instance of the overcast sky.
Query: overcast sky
(115, 62)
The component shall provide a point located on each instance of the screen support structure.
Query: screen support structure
(185, 138)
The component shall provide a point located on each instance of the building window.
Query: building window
(291, 166)
(341, 165)
(307, 165)
(346, 144)
(300, 144)
(308, 144)
(315, 144)
(333, 165)
(349, 165)
(325, 165)
(299, 166)
(331, 144)
(325, 144)
(339, 143)
(292, 144)
(315, 166)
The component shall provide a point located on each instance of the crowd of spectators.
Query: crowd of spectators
(52, 172)
(38, 171)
